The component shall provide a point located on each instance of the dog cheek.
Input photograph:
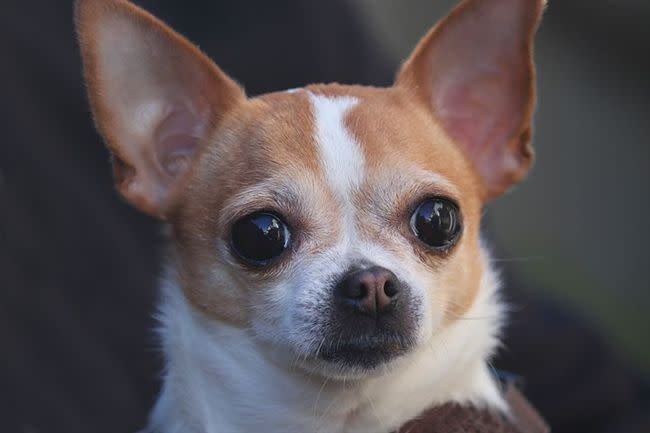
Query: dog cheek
(429, 302)
(267, 309)
(460, 282)
(310, 320)
(307, 314)
(212, 290)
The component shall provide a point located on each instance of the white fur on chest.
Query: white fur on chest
(218, 379)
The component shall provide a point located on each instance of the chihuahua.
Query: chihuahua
(325, 269)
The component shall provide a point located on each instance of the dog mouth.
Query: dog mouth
(355, 341)
(364, 353)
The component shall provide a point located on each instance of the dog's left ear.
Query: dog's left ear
(475, 71)
(156, 99)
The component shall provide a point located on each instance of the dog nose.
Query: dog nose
(371, 290)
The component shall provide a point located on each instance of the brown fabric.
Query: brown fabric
(455, 418)
(525, 416)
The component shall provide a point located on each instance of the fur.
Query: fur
(219, 379)
(225, 378)
(248, 346)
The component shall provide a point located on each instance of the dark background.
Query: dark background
(78, 267)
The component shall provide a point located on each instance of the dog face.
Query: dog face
(339, 224)
(322, 236)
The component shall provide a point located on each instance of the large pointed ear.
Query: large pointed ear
(155, 98)
(475, 71)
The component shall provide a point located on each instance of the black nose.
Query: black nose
(372, 290)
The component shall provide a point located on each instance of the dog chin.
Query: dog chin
(357, 359)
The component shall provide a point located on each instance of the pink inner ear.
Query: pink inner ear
(477, 73)
(484, 116)
(177, 139)
(154, 96)
(479, 110)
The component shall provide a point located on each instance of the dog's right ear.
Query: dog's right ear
(474, 71)
(155, 98)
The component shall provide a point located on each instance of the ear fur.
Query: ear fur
(155, 98)
(475, 72)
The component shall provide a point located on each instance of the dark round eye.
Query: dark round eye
(436, 222)
(260, 237)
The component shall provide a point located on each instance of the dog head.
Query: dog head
(339, 224)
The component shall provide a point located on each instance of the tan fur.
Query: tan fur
(269, 141)
(398, 135)
(345, 175)
(278, 129)
(275, 132)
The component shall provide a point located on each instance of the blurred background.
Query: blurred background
(78, 267)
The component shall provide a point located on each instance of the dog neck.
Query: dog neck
(218, 378)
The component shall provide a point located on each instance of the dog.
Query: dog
(325, 270)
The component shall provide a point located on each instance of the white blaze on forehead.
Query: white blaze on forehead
(341, 156)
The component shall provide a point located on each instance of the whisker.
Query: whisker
(375, 412)
(315, 408)
(517, 259)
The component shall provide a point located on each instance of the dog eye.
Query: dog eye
(260, 237)
(436, 222)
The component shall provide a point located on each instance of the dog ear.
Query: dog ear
(155, 98)
(475, 71)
